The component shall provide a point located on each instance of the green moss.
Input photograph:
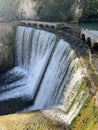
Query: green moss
(77, 66)
(73, 56)
(88, 117)
(82, 87)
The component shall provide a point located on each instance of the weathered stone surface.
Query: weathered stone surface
(6, 54)
(91, 36)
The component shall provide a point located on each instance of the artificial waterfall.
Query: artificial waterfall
(47, 74)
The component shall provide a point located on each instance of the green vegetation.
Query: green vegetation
(8, 9)
(54, 10)
(90, 9)
(82, 87)
(88, 117)
(11, 39)
(50, 10)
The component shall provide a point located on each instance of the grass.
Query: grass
(87, 118)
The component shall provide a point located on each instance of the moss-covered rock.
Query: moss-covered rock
(87, 118)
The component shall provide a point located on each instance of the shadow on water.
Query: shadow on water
(89, 25)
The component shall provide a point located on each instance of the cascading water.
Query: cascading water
(43, 76)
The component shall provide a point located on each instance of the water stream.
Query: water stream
(45, 75)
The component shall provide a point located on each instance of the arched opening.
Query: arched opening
(47, 26)
(41, 25)
(29, 24)
(63, 28)
(52, 27)
(67, 30)
(95, 47)
(83, 37)
(60, 28)
(34, 24)
(88, 41)
(23, 24)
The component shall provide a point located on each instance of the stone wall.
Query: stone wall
(6, 50)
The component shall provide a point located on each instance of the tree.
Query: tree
(90, 8)
(54, 10)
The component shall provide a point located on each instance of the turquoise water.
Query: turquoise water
(91, 25)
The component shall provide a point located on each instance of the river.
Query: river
(89, 25)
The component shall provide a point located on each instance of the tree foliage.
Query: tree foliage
(54, 10)
(90, 9)
(61, 10)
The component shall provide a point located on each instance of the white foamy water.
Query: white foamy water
(44, 75)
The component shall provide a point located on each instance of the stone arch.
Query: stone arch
(23, 23)
(68, 30)
(34, 24)
(47, 26)
(88, 41)
(63, 28)
(83, 37)
(41, 25)
(29, 24)
(53, 27)
(95, 46)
